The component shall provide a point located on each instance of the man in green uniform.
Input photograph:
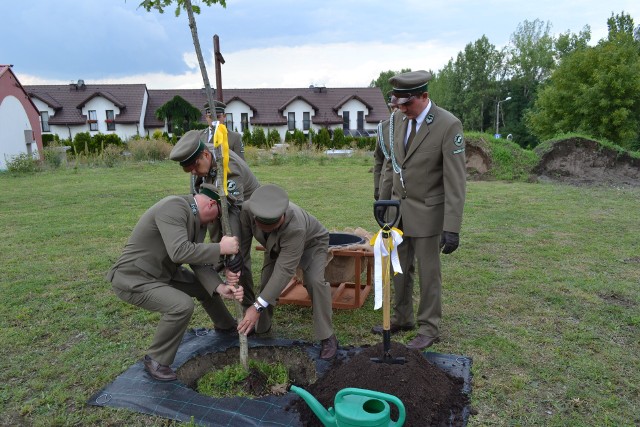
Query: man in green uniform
(149, 273)
(292, 238)
(381, 152)
(235, 138)
(428, 175)
(198, 158)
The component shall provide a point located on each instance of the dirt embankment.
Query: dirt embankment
(585, 162)
(576, 161)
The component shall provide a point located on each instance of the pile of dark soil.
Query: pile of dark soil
(430, 396)
(581, 161)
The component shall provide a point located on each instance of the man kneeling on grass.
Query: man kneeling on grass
(292, 238)
(149, 273)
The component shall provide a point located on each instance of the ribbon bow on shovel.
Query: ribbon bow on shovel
(385, 253)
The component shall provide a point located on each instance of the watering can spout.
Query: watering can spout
(326, 417)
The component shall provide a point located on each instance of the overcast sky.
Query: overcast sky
(268, 43)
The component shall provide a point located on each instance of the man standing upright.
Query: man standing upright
(427, 166)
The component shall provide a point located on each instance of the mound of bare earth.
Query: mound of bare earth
(582, 161)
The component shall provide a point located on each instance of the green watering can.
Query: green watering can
(355, 407)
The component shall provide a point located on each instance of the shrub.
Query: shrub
(299, 138)
(82, 143)
(49, 138)
(157, 134)
(322, 139)
(111, 155)
(246, 137)
(258, 138)
(54, 155)
(273, 137)
(22, 163)
(338, 138)
(149, 150)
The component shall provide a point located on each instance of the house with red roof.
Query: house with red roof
(130, 110)
(19, 119)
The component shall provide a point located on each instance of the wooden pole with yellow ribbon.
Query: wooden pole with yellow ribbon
(223, 166)
(221, 150)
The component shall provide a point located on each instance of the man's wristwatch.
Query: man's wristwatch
(258, 307)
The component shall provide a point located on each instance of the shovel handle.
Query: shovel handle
(380, 208)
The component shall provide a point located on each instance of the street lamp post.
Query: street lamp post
(497, 135)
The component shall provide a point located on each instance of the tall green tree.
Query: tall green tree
(383, 81)
(595, 90)
(468, 86)
(179, 113)
(531, 58)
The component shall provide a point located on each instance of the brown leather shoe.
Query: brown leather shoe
(329, 347)
(158, 371)
(420, 342)
(393, 329)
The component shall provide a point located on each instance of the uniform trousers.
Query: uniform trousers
(313, 264)
(427, 252)
(174, 300)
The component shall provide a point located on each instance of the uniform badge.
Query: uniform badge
(458, 140)
(458, 151)
(429, 119)
(232, 187)
(194, 208)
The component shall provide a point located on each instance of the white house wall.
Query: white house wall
(353, 106)
(237, 108)
(13, 122)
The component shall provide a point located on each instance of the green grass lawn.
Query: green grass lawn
(543, 293)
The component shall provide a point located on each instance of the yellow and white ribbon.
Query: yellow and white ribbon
(381, 250)
(220, 139)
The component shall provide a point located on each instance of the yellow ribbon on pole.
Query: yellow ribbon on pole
(221, 139)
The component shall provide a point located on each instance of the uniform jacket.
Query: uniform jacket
(235, 143)
(379, 163)
(285, 246)
(241, 182)
(167, 235)
(434, 174)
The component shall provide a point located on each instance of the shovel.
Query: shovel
(380, 208)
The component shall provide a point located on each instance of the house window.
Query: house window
(229, 123)
(291, 122)
(93, 120)
(244, 121)
(44, 121)
(361, 120)
(306, 121)
(345, 120)
(111, 120)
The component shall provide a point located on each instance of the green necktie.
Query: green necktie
(412, 134)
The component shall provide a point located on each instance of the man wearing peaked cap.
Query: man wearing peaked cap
(235, 138)
(292, 238)
(426, 171)
(150, 273)
(198, 157)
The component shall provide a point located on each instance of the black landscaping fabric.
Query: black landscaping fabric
(136, 390)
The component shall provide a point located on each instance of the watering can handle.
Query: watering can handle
(376, 394)
(380, 208)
